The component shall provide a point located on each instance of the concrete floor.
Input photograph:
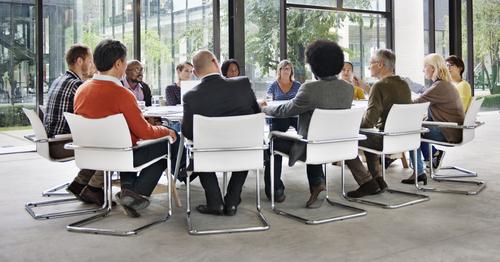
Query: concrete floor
(449, 227)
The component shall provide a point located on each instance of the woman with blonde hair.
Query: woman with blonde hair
(445, 106)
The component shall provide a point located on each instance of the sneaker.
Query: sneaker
(133, 200)
(437, 160)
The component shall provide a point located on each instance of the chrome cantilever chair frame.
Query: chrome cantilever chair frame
(319, 139)
(468, 128)
(357, 211)
(192, 149)
(396, 134)
(120, 126)
(42, 144)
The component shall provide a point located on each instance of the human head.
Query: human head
(455, 65)
(109, 58)
(435, 68)
(135, 71)
(90, 73)
(79, 59)
(325, 58)
(284, 70)
(382, 62)
(230, 68)
(204, 63)
(347, 71)
(184, 71)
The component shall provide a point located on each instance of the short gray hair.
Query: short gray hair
(386, 57)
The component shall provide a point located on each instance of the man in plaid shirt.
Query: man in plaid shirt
(87, 185)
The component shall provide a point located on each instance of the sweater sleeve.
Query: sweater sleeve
(374, 109)
(136, 122)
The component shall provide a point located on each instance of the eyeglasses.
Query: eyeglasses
(374, 62)
(137, 70)
(449, 65)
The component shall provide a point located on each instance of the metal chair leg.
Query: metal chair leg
(418, 197)
(194, 231)
(356, 211)
(79, 225)
(480, 184)
(55, 191)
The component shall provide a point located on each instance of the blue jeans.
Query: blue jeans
(434, 134)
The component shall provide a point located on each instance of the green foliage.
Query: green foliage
(13, 115)
(491, 102)
(303, 27)
(90, 38)
(155, 48)
(487, 40)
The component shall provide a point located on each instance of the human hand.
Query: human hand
(262, 103)
(172, 134)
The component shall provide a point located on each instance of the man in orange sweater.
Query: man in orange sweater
(103, 96)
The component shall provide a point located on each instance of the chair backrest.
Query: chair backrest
(228, 134)
(328, 125)
(187, 85)
(470, 118)
(405, 120)
(42, 147)
(96, 139)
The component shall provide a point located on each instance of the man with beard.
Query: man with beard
(87, 185)
(133, 82)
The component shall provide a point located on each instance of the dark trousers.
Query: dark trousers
(84, 176)
(358, 170)
(146, 181)
(315, 173)
(212, 190)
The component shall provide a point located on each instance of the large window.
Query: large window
(17, 61)
(171, 31)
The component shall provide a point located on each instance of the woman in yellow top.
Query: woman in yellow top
(347, 75)
(456, 67)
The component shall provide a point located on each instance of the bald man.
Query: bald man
(133, 82)
(217, 96)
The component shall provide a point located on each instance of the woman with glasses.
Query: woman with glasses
(445, 106)
(456, 67)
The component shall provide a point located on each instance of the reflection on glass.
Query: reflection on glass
(171, 31)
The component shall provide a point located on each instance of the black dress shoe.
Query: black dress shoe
(92, 195)
(369, 188)
(381, 183)
(279, 195)
(230, 210)
(204, 209)
(411, 180)
(129, 211)
(314, 201)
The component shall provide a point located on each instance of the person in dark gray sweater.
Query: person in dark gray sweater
(326, 59)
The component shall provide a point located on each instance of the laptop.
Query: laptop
(188, 85)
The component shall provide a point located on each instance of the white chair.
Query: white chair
(227, 144)
(105, 144)
(468, 132)
(402, 131)
(326, 143)
(42, 148)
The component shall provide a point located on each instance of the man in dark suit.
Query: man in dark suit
(217, 96)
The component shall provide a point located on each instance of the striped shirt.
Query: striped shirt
(61, 97)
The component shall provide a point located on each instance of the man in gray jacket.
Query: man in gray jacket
(326, 59)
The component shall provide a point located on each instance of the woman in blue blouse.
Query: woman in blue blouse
(284, 88)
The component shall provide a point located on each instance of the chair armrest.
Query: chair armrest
(71, 146)
(61, 137)
(452, 124)
(347, 139)
(287, 136)
(31, 137)
(374, 131)
(142, 143)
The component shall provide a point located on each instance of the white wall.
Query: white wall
(409, 38)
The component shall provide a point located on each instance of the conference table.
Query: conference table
(175, 114)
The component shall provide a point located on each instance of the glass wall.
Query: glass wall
(262, 34)
(171, 31)
(17, 61)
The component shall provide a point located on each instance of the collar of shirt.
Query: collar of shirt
(212, 74)
(73, 74)
(108, 78)
(127, 85)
